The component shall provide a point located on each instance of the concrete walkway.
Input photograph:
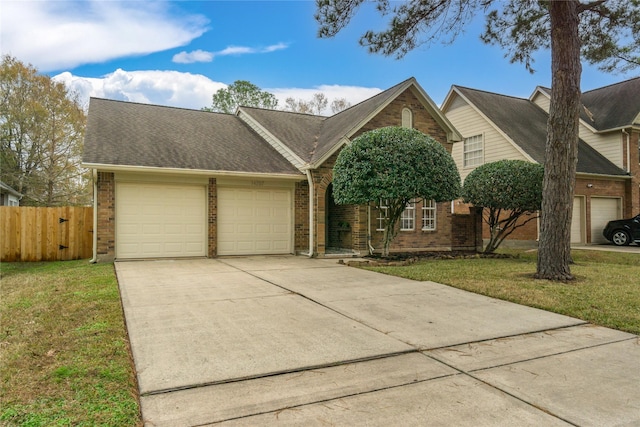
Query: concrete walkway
(295, 341)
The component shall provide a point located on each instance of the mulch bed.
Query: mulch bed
(408, 258)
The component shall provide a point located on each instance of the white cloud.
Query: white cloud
(186, 90)
(172, 88)
(53, 35)
(236, 50)
(194, 56)
(274, 47)
(185, 57)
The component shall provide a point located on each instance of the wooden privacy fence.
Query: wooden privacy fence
(45, 234)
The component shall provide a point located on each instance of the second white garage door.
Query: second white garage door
(603, 210)
(254, 221)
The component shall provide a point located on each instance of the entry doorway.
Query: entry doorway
(339, 225)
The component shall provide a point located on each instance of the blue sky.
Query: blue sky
(179, 53)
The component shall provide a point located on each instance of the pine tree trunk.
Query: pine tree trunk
(561, 154)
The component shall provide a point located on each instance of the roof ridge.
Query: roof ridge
(612, 84)
(492, 93)
(285, 111)
(146, 104)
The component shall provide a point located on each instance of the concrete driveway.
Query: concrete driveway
(297, 341)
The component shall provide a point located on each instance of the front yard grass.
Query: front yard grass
(64, 357)
(606, 291)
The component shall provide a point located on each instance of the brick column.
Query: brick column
(106, 237)
(212, 218)
(301, 204)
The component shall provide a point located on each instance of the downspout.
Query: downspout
(311, 207)
(371, 248)
(624, 132)
(95, 218)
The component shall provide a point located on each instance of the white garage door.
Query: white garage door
(577, 220)
(603, 210)
(160, 220)
(254, 221)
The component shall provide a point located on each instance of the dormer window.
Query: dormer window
(407, 118)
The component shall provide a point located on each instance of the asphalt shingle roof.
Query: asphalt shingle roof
(299, 132)
(311, 137)
(125, 133)
(526, 124)
(613, 106)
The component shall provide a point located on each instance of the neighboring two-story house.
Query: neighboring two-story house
(607, 186)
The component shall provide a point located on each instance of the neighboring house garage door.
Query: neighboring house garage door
(254, 221)
(577, 220)
(603, 210)
(160, 220)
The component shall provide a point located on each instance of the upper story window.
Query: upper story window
(407, 118)
(473, 151)
(429, 215)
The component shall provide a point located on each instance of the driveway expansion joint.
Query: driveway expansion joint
(282, 372)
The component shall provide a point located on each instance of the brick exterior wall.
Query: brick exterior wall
(105, 198)
(461, 232)
(301, 217)
(466, 230)
(600, 187)
(526, 232)
(212, 218)
(585, 187)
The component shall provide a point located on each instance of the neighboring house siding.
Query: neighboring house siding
(632, 204)
(469, 123)
(541, 101)
(608, 144)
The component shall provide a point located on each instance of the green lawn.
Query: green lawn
(64, 349)
(606, 290)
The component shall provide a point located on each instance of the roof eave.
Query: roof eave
(604, 175)
(341, 143)
(619, 128)
(154, 169)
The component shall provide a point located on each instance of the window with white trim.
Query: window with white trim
(383, 213)
(473, 151)
(408, 217)
(407, 118)
(428, 215)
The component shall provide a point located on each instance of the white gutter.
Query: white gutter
(124, 168)
(624, 132)
(311, 227)
(598, 175)
(95, 217)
